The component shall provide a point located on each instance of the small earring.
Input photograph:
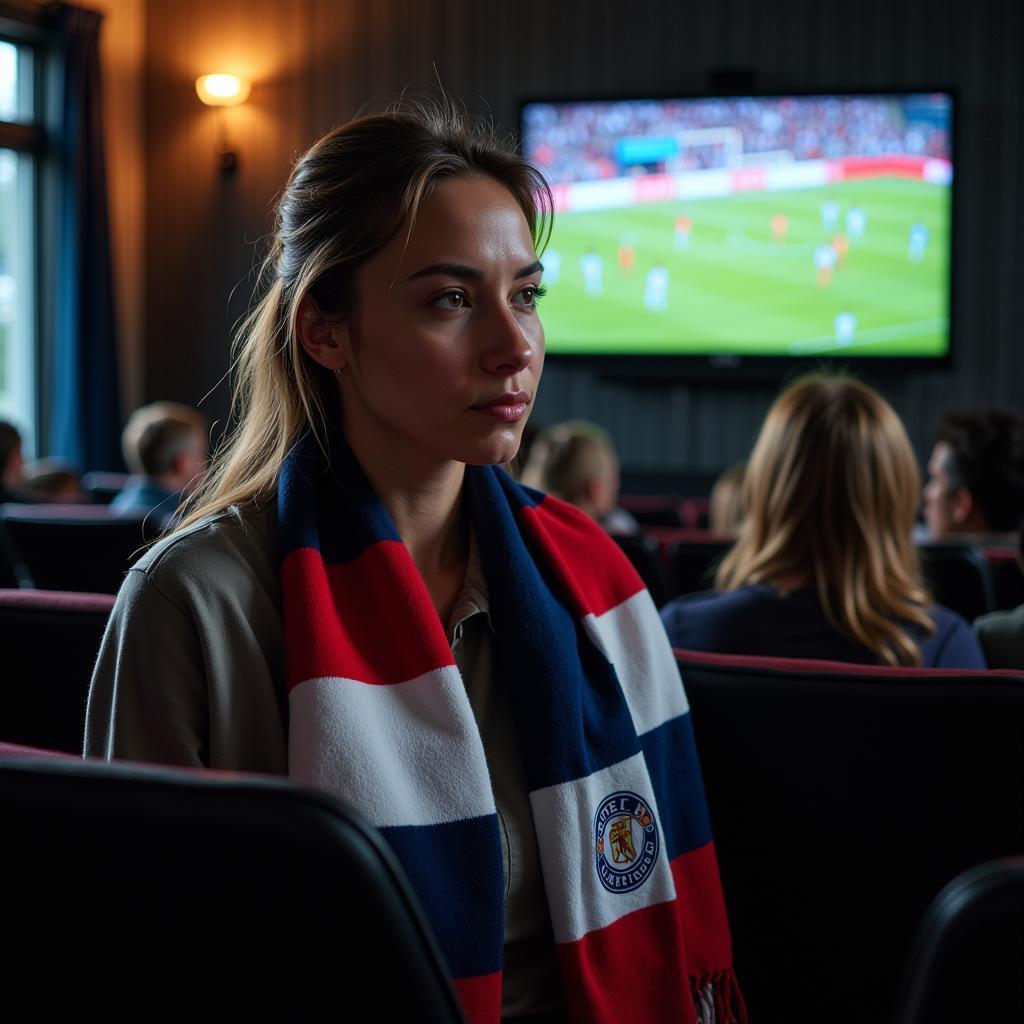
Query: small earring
(337, 371)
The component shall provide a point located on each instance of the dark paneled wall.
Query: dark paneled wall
(316, 62)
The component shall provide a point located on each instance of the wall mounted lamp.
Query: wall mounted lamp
(217, 91)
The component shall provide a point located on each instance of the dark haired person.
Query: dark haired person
(472, 665)
(12, 464)
(54, 480)
(824, 565)
(165, 447)
(975, 486)
(1001, 634)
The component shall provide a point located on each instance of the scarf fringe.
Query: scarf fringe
(717, 998)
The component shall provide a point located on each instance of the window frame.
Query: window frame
(26, 26)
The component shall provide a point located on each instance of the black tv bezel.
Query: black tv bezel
(658, 367)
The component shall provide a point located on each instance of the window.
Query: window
(20, 144)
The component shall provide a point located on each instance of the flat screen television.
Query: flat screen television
(748, 228)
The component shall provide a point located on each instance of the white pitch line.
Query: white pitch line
(869, 336)
(776, 250)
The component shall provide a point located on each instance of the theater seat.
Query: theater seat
(76, 547)
(644, 553)
(653, 509)
(968, 960)
(135, 893)
(104, 487)
(49, 641)
(960, 577)
(842, 799)
(1007, 578)
(692, 556)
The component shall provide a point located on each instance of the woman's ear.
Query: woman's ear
(324, 338)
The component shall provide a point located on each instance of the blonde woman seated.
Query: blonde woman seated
(576, 461)
(824, 565)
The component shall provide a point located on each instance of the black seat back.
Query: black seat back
(645, 555)
(85, 548)
(158, 894)
(842, 799)
(960, 577)
(692, 562)
(49, 640)
(104, 487)
(968, 960)
(1007, 577)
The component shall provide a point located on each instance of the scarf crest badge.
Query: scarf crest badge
(379, 716)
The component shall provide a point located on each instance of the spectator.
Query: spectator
(12, 465)
(361, 600)
(975, 484)
(1002, 633)
(576, 461)
(54, 480)
(725, 510)
(824, 565)
(165, 447)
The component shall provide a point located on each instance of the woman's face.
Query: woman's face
(441, 357)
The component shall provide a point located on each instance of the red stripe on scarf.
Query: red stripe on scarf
(480, 997)
(705, 925)
(589, 563)
(370, 619)
(634, 969)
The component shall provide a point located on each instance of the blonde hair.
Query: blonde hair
(156, 434)
(725, 508)
(566, 457)
(346, 197)
(831, 492)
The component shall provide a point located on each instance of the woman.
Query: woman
(361, 600)
(824, 565)
(577, 461)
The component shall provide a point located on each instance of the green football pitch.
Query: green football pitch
(735, 287)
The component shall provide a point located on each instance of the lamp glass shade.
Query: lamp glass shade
(222, 90)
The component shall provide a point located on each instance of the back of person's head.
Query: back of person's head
(159, 436)
(725, 508)
(10, 454)
(347, 197)
(575, 461)
(54, 479)
(831, 493)
(981, 449)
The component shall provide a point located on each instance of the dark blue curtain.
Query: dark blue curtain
(85, 414)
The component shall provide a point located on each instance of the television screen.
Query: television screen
(748, 226)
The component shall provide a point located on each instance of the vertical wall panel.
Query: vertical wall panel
(315, 62)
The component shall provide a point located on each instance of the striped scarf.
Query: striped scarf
(379, 716)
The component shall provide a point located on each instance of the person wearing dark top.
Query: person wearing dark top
(824, 565)
(758, 619)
